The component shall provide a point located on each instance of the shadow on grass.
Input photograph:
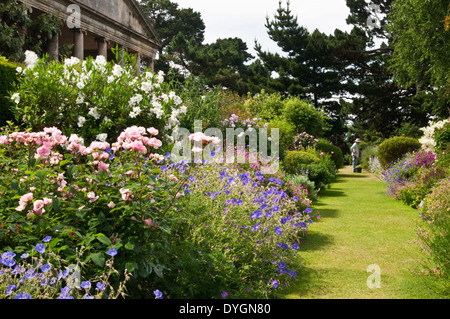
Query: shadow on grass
(328, 283)
(325, 212)
(340, 177)
(315, 241)
(332, 192)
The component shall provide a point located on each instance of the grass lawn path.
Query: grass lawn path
(360, 226)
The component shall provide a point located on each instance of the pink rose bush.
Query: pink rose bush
(61, 187)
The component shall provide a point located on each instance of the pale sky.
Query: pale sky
(245, 19)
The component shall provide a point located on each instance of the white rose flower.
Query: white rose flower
(71, 62)
(117, 70)
(93, 111)
(102, 137)
(81, 121)
(31, 59)
(146, 87)
(16, 98)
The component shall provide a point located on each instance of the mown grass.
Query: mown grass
(360, 226)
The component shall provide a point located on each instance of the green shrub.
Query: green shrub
(442, 137)
(264, 105)
(8, 77)
(392, 149)
(434, 233)
(335, 152)
(294, 160)
(319, 169)
(88, 200)
(305, 117)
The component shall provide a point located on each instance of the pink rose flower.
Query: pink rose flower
(42, 152)
(154, 142)
(153, 131)
(38, 207)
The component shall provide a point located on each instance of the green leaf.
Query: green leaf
(145, 269)
(129, 245)
(103, 239)
(56, 202)
(15, 185)
(71, 170)
(130, 266)
(98, 259)
(40, 174)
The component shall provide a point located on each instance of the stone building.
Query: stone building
(93, 27)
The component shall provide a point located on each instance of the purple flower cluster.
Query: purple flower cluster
(45, 274)
(274, 219)
(424, 159)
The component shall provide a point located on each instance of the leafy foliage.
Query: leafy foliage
(421, 57)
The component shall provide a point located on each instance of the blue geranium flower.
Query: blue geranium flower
(46, 268)
(40, 248)
(278, 230)
(158, 294)
(274, 283)
(47, 239)
(22, 296)
(85, 284)
(10, 289)
(100, 286)
(112, 252)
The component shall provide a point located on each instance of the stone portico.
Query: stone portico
(94, 27)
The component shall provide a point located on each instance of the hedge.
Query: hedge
(335, 152)
(7, 80)
(392, 149)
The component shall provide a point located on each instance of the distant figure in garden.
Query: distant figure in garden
(355, 153)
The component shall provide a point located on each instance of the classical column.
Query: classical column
(150, 64)
(138, 63)
(78, 43)
(53, 48)
(102, 44)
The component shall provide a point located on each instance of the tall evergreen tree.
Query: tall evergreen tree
(307, 68)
